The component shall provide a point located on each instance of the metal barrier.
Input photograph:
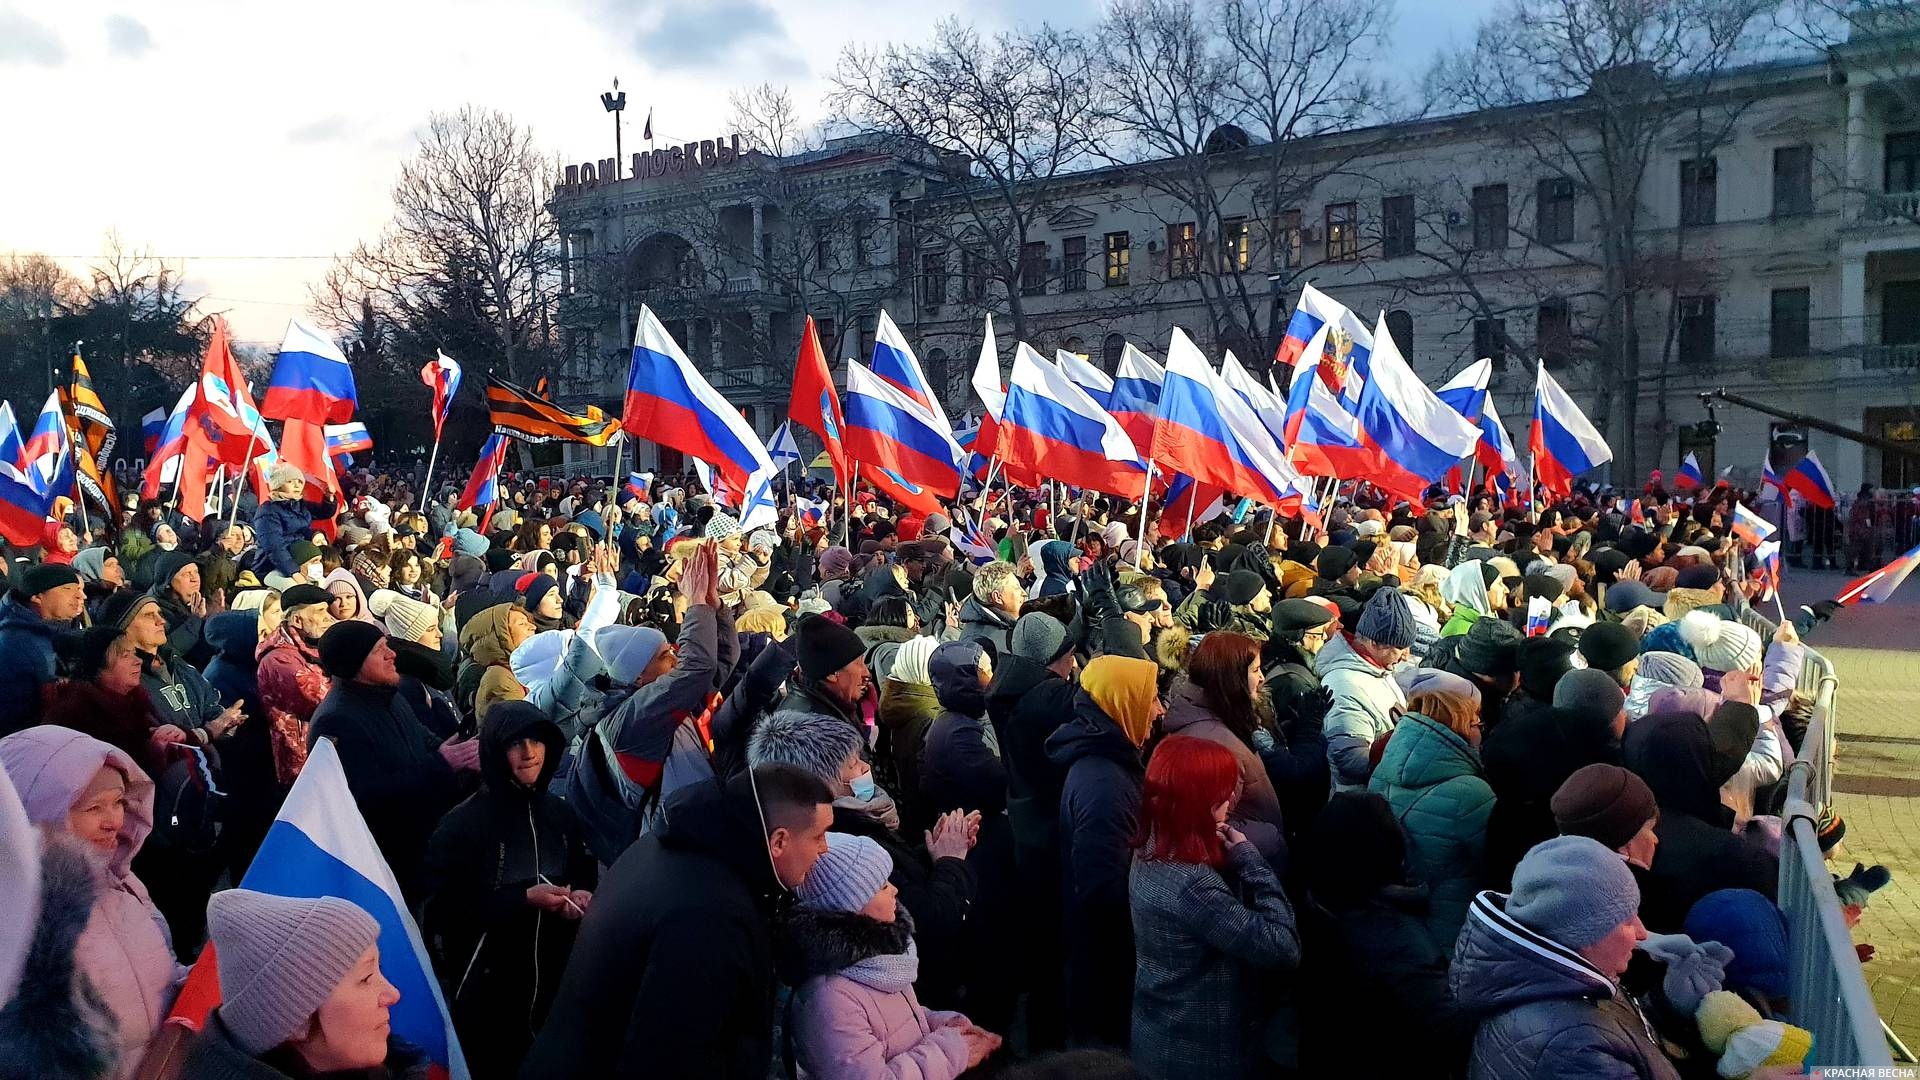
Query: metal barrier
(1829, 994)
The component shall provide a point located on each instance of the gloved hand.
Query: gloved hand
(1821, 611)
(1862, 883)
(1694, 969)
(1096, 578)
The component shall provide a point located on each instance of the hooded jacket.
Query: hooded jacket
(1056, 567)
(1365, 697)
(1432, 779)
(344, 576)
(276, 525)
(962, 767)
(848, 1029)
(27, 641)
(1466, 589)
(185, 630)
(1545, 1012)
(1257, 814)
(502, 956)
(126, 952)
(672, 974)
(181, 695)
(1525, 760)
(906, 713)
(487, 675)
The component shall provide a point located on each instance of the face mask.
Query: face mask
(864, 787)
(313, 573)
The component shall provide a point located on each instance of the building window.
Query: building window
(1790, 325)
(860, 240)
(940, 373)
(973, 271)
(1696, 329)
(1110, 351)
(1489, 217)
(1033, 268)
(867, 328)
(1286, 239)
(933, 278)
(1554, 207)
(1792, 180)
(1073, 264)
(1553, 329)
(1183, 250)
(1699, 191)
(1236, 244)
(823, 245)
(1396, 225)
(1903, 163)
(1343, 232)
(1490, 339)
(1400, 329)
(1119, 258)
(829, 333)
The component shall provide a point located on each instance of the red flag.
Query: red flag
(814, 405)
(303, 444)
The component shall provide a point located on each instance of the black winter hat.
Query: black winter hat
(299, 596)
(1243, 586)
(824, 647)
(45, 577)
(1608, 646)
(1490, 647)
(1543, 661)
(121, 607)
(1334, 562)
(1298, 615)
(345, 646)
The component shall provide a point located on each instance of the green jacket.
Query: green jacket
(1202, 614)
(1462, 621)
(1433, 780)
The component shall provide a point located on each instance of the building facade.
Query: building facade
(1776, 241)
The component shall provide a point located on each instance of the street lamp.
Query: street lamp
(615, 102)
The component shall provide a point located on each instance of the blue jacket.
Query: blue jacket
(26, 640)
(276, 525)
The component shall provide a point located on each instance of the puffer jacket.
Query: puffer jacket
(1431, 777)
(27, 641)
(1257, 814)
(291, 687)
(861, 1026)
(1545, 1012)
(126, 951)
(276, 525)
(990, 625)
(907, 711)
(1365, 697)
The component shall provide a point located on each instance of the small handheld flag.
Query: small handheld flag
(443, 376)
(1749, 526)
(638, 484)
(1810, 480)
(1689, 475)
(1878, 586)
(1766, 569)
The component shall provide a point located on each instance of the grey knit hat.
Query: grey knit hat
(1670, 669)
(280, 959)
(763, 540)
(1387, 620)
(722, 526)
(1040, 637)
(852, 871)
(1589, 692)
(1574, 890)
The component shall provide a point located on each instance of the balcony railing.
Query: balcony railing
(1890, 357)
(1892, 208)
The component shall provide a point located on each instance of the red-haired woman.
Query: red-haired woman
(1207, 913)
(1218, 701)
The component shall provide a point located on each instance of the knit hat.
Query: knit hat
(1040, 637)
(92, 563)
(1435, 681)
(937, 525)
(1719, 644)
(1334, 562)
(835, 562)
(1751, 925)
(303, 552)
(280, 959)
(1697, 577)
(406, 618)
(592, 522)
(1387, 619)
(1243, 586)
(762, 540)
(1643, 621)
(1574, 890)
(1608, 646)
(1831, 829)
(852, 872)
(121, 607)
(824, 647)
(722, 527)
(1769, 1042)
(346, 645)
(1543, 661)
(1491, 647)
(1605, 802)
(534, 588)
(468, 542)
(45, 577)
(302, 595)
(1589, 692)
(1624, 596)
(1124, 688)
(1669, 669)
(627, 650)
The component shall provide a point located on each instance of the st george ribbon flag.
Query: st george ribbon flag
(318, 846)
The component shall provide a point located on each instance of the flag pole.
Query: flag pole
(253, 437)
(426, 482)
(1193, 504)
(1779, 607)
(1146, 494)
(619, 448)
(853, 483)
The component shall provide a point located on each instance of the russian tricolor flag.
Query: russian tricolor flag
(639, 484)
(1497, 456)
(1563, 441)
(1414, 435)
(1316, 311)
(993, 396)
(1466, 394)
(1136, 395)
(311, 380)
(319, 846)
(1810, 480)
(1750, 526)
(1265, 404)
(890, 431)
(1207, 432)
(1689, 475)
(671, 403)
(346, 440)
(152, 426)
(1322, 434)
(1053, 427)
(1189, 503)
(1098, 384)
(1878, 586)
(12, 451)
(895, 364)
(1766, 569)
(483, 487)
(443, 376)
(163, 462)
(27, 493)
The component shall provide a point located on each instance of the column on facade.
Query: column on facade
(1853, 300)
(1854, 205)
(754, 244)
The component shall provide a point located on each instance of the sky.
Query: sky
(249, 142)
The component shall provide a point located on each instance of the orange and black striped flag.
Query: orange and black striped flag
(93, 436)
(540, 389)
(524, 415)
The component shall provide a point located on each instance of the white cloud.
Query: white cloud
(28, 43)
(127, 37)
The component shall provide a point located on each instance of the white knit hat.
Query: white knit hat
(405, 618)
(1720, 644)
(280, 959)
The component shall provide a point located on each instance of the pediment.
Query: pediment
(1070, 217)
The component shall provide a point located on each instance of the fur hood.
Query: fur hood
(815, 943)
(56, 1026)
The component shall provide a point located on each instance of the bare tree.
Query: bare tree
(766, 115)
(1874, 43)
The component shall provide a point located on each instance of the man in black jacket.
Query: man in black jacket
(672, 974)
(403, 778)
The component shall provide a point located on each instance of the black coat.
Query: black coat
(1527, 758)
(1026, 704)
(1099, 814)
(431, 666)
(393, 765)
(1297, 764)
(672, 974)
(1373, 969)
(501, 957)
(941, 895)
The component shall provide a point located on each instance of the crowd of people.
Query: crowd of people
(1448, 789)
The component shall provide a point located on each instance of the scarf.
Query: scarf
(891, 973)
(880, 808)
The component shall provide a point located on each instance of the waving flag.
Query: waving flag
(888, 430)
(1504, 475)
(1750, 526)
(1264, 402)
(671, 403)
(1810, 480)
(1771, 478)
(163, 461)
(12, 450)
(1563, 441)
(986, 374)
(1766, 569)
(639, 484)
(1207, 432)
(1136, 395)
(813, 512)
(1689, 475)
(1414, 435)
(715, 484)
(151, 426)
(346, 440)
(1189, 503)
(815, 405)
(93, 437)
(1079, 371)
(781, 448)
(443, 376)
(234, 429)
(319, 846)
(894, 363)
(525, 415)
(311, 380)
(904, 492)
(1878, 586)
(1322, 434)
(1052, 427)
(1466, 394)
(27, 492)
(1314, 312)
(483, 487)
